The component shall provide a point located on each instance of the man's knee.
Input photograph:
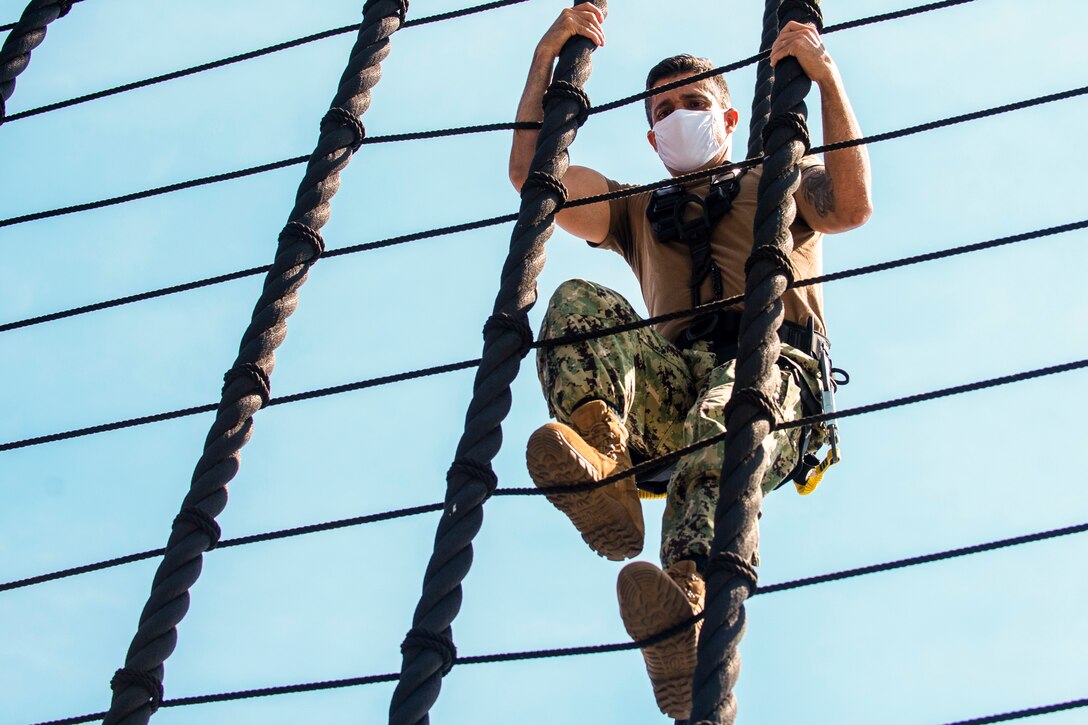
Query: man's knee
(575, 296)
(580, 298)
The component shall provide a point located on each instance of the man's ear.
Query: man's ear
(651, 138)
(732, 118)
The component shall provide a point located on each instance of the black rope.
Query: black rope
(935, 394)
(431, 508)
(156, 191)
(252, 271)
(820, 279)
(196, 410)
(493, 221)
(248, 171)
(750, 414)
(761, 99)
(410, 23)
(566, 340)
(26, 34)
(1030, 712)
(573, 488)
(924, 559)
(243, 695)
(9, 26)
(627, 646)
(737, 65)
(225, 544)
(552, 342)
(87, 206)
(246, 386)
(203, 67)
(504, 347)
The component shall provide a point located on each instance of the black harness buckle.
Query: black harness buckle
(665, 213)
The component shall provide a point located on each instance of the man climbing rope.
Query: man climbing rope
(648, 392)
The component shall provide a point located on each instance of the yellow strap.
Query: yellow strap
(813, 481)
(650, 494)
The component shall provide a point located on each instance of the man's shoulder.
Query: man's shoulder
(633, 203)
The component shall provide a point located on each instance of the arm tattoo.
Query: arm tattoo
(819, 191)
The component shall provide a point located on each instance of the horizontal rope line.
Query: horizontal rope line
(196, 410)
(654, 463)
(243, 695)
(851, 143)
(156, 191)
(925, 559)
(830, 277)
(753, 59)
(253, 271)
(203, 67)
(619, 646)
(249, 55)
(1031, 712)
(492, 221)
(553, 342)
(112, 201)
(225, 544)
(10, 26)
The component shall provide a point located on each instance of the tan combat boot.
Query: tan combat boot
(592, 447)
(652, 601)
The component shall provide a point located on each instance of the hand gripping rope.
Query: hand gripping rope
(507, 339)
(27, 35)
(747, 416)
(137, 687)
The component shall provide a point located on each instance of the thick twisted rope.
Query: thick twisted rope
(25, 36)
(750, 414)
(138, 689)
(761, 101)
(507, 339)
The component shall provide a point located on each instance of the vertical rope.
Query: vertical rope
(761, 101)
(27, 35)
(752, 408)
(428, 649)
(137, 687)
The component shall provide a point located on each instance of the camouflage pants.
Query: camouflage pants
(667, 397)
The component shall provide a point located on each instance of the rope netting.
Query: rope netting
(778, 140)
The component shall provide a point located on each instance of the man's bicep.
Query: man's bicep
(816, 197)
(589, 222)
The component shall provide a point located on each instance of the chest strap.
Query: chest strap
(666, 211)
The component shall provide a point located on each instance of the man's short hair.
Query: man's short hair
(685, 64)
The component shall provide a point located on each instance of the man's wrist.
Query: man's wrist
(829, 79)
(543, 55)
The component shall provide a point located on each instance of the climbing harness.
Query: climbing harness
(666, 216)
(808, 477)
(721, 329)
(810, 470)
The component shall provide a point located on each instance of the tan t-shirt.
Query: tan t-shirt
(663, 270)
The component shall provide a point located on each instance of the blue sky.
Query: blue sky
(960, 639)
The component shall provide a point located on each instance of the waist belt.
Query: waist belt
(722, 330)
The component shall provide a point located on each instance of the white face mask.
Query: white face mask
(686, 139)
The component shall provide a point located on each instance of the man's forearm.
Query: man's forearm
(848, 188)
(531, 109)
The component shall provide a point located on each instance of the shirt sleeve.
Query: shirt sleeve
(619, 223)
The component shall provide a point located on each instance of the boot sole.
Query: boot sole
(650, 602)
(606, 522)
